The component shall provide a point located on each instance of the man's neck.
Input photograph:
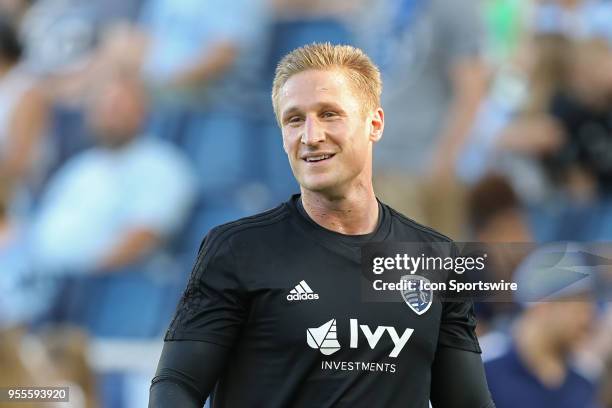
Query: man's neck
(354, 213)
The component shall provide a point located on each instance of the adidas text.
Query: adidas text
(302, 296)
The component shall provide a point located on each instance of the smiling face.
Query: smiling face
(327, 131)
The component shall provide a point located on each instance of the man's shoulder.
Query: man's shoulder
(509, 371)
(508, 357)
(251, 228)
(412, 227)
(84, 166)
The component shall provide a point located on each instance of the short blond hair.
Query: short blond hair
(359, 68)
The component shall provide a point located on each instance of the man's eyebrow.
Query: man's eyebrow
(289, 111)
(321, 105)
(329, 105)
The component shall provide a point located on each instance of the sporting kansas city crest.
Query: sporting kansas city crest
(419, 300)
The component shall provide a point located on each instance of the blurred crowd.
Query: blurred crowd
(128, 128)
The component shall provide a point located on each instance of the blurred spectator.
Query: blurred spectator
(544, 55)
(564, 126)
(23, 115)
(202, 61)
(529, 128)
(60, 39)
(513, 131)
(104, 226)
(434, 80)
(583, 110)
(105, 208)
(24, 297)
(536, 371)
(497, 220)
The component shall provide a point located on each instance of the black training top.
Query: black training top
(283, 294)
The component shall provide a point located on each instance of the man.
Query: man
(558, 316)
(82, 224)
(202, 61)
(496, 217)
(265, 289)
(103, 227)
(535, 371)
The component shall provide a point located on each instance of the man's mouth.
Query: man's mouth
(318, 158)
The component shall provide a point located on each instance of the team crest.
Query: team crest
(418, 299)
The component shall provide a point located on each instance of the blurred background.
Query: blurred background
(128, 128)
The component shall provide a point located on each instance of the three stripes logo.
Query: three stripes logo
(302, 292)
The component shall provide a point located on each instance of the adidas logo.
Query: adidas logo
(302, 292)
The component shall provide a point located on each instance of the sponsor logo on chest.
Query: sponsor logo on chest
(325, 338)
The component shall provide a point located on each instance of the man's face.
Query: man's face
(569, 320)
(117, 112)
(326, 133)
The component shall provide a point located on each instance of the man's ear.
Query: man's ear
(377, 124)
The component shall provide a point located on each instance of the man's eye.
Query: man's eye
(294, 119)
(328, 114)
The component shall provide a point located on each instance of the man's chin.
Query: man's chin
(330, 189)
(318, 186)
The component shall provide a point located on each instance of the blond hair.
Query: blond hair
(358, 67)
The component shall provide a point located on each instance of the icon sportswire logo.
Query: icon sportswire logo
(302, 292)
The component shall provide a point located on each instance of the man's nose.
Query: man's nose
(313, 133)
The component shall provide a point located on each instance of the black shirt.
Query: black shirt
(284, 295)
